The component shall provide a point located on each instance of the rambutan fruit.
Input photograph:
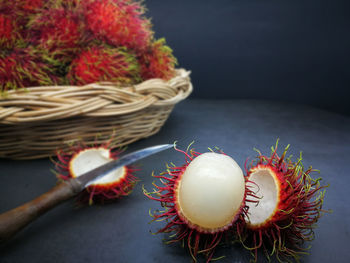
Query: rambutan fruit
(81, 159)
(203, 200)
(288, 204)
(10, 32)
(157, 61)
(24, 67)
(69, 4)
(58, 31)
(23, 9)
(100, 63)
(118, 23)
(28, 5)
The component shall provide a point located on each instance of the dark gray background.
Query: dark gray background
(288, 50)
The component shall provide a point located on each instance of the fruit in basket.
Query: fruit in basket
(57, 30)
(23, 67)
(203, 201)
(118, 23)
(10, 32)
(82, 158)
(288, 205)
(63, 33)
(157, 61)
(28, 5)
(100, 63)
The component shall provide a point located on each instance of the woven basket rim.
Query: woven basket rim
(49, 103)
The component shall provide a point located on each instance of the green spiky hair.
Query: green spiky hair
(24, 67)
(158, 61)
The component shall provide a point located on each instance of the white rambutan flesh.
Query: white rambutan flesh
(266, 189)
(89, 159)
(210, 192)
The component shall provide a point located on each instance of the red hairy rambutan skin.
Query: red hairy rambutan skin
(157, 61)
(100, 63)
(23, 9)
(24, 67)
(10, 32)
(30, 6)
(57, 30)
(118, 23)
(300, 200)
(64, 3)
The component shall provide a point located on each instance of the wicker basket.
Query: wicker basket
(36, 122)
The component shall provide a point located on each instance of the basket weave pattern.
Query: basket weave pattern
(37, 122)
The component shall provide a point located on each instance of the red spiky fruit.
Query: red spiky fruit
(288, 203)
(10, 32)
(58, 31)
(118, 23)
(157, 61)
(23, 6)
(28, 6)
(100, 63)
(81, 159)
(23, 9)
(24, 67)
(203, 200)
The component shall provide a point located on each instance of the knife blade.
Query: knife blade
(14, 220)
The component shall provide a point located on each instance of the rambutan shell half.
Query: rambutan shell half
(90, 159)
(266, 185)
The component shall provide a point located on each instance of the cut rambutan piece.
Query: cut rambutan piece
(288, 203)
(24, 67)
(98, 64)
(58, 31)
(204, 201)
(81, 159)
(119, 23)
(157, 61)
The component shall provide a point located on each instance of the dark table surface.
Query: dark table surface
(120, 232)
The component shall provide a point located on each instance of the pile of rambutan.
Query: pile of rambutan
(77, 42)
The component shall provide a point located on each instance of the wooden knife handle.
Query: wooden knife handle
(14, 220)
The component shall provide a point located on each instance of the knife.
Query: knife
(14, 220)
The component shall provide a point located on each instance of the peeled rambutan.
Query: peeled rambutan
(118, 23)
(203, 200)
(287, 206)
(157, 61)
(10, 32)
(58, 31)
(100, 63)
(24, 67)
(81, 159)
